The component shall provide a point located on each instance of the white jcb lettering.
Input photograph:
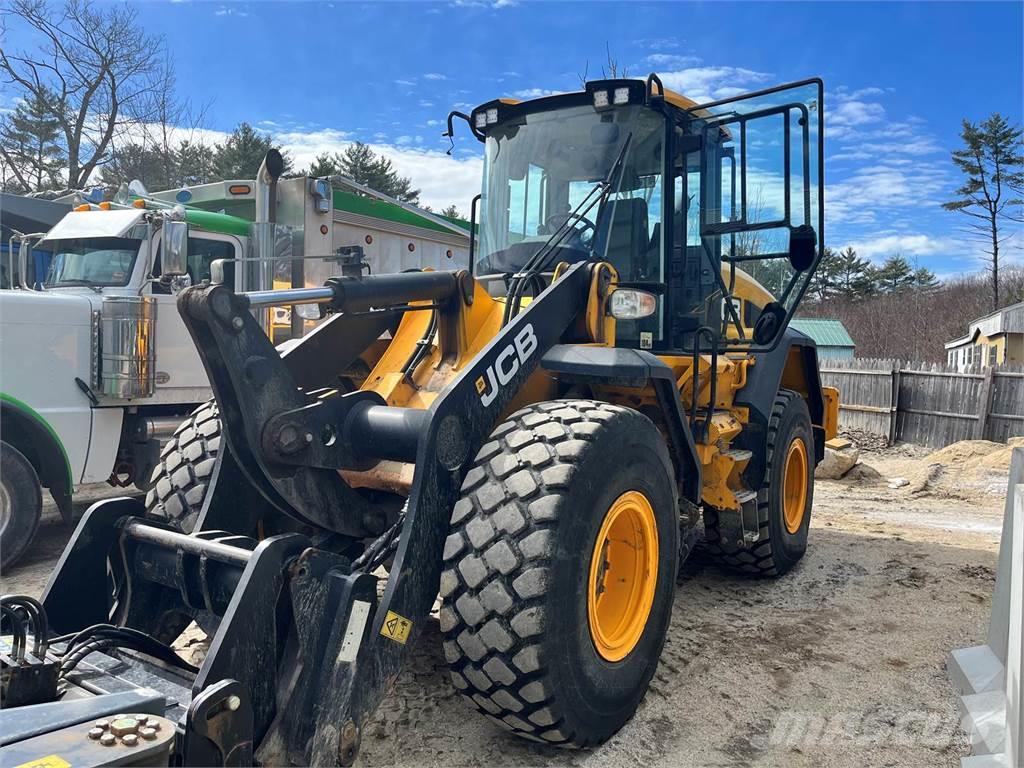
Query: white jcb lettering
(506, 364)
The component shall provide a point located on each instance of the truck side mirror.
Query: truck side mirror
(174, 249)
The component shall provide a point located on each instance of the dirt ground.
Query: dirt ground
(839, 663)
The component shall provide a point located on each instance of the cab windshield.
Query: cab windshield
(540, 167)
(103, 261)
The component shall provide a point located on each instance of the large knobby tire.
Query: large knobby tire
(180, 479)
(21, 504)
(783, 537)
(524, 569)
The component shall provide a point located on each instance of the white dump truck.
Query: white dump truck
(96, 368)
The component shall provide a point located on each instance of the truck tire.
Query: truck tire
(784, 503)
(21, 504)
(180, 479)
(559, 571)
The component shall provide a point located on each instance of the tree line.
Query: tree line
(96, 101)
(842, 274)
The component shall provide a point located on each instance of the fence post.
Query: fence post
(894, 401)
(984, 403)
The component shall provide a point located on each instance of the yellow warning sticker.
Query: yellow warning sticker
(396, 627)
(50, 761)
(481, 385)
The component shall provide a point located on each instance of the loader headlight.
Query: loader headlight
(621, 96)
(481, 120)
(600, 99)
(631, 304)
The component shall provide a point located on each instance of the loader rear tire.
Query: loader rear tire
(559, 571)
(784, 503)
(180, 479)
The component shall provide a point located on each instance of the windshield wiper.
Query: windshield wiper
(536, 264)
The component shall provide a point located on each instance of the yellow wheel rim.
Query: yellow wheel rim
(794, 485)
(623, 576)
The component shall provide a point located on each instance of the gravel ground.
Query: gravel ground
(840, 663)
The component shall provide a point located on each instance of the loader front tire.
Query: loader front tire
(783, 503)
(180, 479)
(559, 571)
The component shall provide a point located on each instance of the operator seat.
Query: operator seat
(628, 237)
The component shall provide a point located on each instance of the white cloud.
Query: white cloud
(405, 82)
(709, 83)
(434, 76)
(233, 10)
(671, 61)
(534, 93)
(432, 123)
(908, 245)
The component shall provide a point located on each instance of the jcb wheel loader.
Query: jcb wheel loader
(537, 442)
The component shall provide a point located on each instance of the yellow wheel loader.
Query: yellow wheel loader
(539, 442)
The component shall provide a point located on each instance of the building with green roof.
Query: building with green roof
(833, 340)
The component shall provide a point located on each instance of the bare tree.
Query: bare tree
(97, 68)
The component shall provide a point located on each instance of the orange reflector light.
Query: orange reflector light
(83, 207)
(105, 205)
(140, 203)
(239, 189)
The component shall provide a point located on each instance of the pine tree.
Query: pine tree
(240, 156)
(895, 275)
(992, 159)
(30, 140)
(853, 275)
(451, 212)
(362, 164)
(823, 282)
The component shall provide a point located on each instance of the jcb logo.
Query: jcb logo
(506, 364)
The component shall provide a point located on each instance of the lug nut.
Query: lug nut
(148, 733)
(102, 724)
(130, 740)
(233, 703)
(96, 733)
(108, 740)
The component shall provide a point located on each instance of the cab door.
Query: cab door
(180, 375)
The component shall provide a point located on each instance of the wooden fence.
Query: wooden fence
(929, 405)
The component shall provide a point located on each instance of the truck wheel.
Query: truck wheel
(179, 480)
(21, 504)
(784, 503)
(559, 571)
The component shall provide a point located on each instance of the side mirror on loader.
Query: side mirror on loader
(769, 323)
(174, 249)
(803, 242)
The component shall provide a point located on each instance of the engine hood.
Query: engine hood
(43, 308)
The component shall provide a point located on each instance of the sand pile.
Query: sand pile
(977, 454)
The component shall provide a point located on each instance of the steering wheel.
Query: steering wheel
(556, 220)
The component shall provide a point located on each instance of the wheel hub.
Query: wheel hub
(623, 575)
(794, 485)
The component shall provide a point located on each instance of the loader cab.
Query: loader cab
(686, 201)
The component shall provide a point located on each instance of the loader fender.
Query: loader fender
(792, 365)
(634, 368)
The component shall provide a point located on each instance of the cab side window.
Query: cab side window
(202, 253)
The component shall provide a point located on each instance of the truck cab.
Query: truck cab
(96, 367)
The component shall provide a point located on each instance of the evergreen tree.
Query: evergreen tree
(925, 279)
(895, 275)
(30, 137)
(853, 275)
(992, 160)
(196, 164)
(824, 280)
(187, 164)
(362, 164)
(240, 156)
(451, 212)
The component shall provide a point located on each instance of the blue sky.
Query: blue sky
(899, 78)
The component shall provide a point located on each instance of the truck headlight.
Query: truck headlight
(600, 99)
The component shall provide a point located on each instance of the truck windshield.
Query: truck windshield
(538, 169)
(92, 261)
